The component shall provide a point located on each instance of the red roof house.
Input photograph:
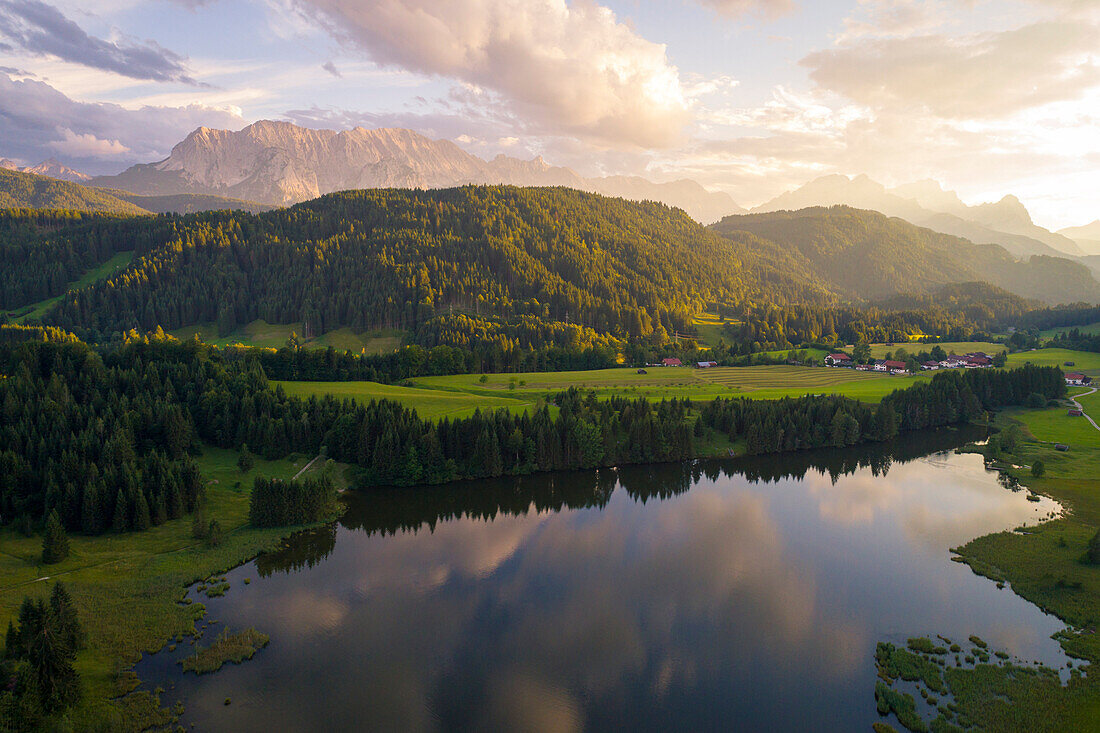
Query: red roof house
(672, 361)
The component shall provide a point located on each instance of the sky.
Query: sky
(753, 97)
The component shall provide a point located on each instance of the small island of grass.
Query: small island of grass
(234, 648)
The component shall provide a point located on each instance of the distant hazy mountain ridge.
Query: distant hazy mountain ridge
(51, 168)
(925, 203)
(864, 254)
(281, 163)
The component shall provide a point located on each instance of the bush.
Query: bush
(1036, 400)
(214, 534)
(1092, 554)
(1038, 468)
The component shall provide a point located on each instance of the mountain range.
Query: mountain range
(1086, 237)
(51, 168)
(925, 203)
(280, 163)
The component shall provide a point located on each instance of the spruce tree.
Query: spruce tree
(64, 614)
(246, 460)
(141, 519)
(55, 543)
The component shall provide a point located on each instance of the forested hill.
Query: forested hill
(28, 191)
(395, 258)
(863, 254)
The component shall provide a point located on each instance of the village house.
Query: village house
(706, 364)
(1077, 378)
(895, 367)
(930, 365)
(671, 362)
(838, 360)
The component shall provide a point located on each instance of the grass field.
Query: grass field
(1043, 565)
(127, 587)
(1092, 329)
(878, 351)
(459, 395)
(1084, 361)
(274, 336)
(111, 266)
(709, 329)
(431, 404)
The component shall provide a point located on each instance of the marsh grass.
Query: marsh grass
(227, 649)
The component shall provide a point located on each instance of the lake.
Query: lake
(715, 595)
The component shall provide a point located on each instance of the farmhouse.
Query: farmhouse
(1076, 413)
(671, 361)
(930, 365)
(895, 367)
(977, 361)
(1077, 378)
(838, 360)
(706, 364)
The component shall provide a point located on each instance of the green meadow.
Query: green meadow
(1092, 328)
(266, 335)
(128, 587)
(879, 351)
(459, 395)
(99, 272)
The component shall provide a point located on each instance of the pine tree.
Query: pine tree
(65, 616)
(55, 543)
(245, 461)
(141, 519)
(121, 519)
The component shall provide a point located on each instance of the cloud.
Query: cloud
(87, 145)
(574, 69)
(41, 30)
(33, 114)
(331, 68)
(769, 9)
(980, 75)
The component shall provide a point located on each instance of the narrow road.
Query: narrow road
(1082, 409)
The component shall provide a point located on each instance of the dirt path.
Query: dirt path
(1082, 409)
(306, 467)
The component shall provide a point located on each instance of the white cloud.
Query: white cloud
(35, 114)
(574, 69)
(87, 145)
(977, 75)
(769, 9)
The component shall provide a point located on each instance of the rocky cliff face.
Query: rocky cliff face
(281, 163)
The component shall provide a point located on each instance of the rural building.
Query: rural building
(1076, 413)
(1077, 378)
(673, 361)
(838, 360)
(930, 365)
(894, 367)
(706, 364)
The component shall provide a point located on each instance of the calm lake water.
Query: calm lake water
(745, 594)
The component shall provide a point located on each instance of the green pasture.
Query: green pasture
(879, 351)
(99, 272)
(430, 404)
(127, 587)
(1084, 361)
(459, 395)
(266, 335)
(1091, 329)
